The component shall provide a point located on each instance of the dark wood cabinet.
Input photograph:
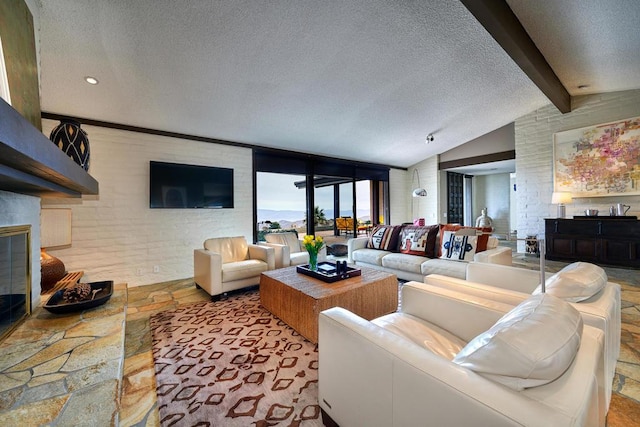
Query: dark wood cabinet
(604, 240)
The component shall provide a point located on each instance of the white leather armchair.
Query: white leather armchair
(386, 373)
(229, 263)
(289, 249)
(512, 285)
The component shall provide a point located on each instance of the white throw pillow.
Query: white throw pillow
(576, 282)
(458, 247)
(531, 345)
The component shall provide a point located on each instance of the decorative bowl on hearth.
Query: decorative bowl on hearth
(99, 294)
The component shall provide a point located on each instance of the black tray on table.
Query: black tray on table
(57, 305)
(327, 272)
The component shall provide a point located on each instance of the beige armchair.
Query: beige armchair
(289, 249)
(229, 263)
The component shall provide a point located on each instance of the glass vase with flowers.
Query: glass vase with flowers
(313, 245)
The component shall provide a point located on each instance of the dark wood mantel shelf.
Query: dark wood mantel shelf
(31, 164)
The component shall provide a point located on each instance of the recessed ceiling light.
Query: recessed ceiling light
(91, 80)
(583, 86)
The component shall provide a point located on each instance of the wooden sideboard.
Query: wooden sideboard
(601, 240)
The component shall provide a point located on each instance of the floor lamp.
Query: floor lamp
(55, 232)
(417, 191)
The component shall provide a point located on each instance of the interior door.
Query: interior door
(455, 198)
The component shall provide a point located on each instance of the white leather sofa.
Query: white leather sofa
(415, 267)
(599, 303)
(229, 263)
(289, 249)
(416, 367)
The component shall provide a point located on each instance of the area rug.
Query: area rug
(232, 363)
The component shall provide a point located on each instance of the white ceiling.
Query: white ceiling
(355, 79)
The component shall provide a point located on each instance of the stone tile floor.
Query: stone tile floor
(139, 400)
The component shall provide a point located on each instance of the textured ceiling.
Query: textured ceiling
(357, 79)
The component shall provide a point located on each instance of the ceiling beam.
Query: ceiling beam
(499, 20)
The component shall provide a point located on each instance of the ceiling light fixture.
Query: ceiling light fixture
(91, 80)
(429, 138)
(583, 86)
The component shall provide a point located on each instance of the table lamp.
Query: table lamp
(560, 198)
(55, 232)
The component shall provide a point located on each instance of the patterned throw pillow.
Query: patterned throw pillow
(418, 240)
(459, 248)
(384, 237)
(483, 235)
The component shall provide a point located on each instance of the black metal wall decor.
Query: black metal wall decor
(73, 141)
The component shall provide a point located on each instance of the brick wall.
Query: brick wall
(117, 237)
(423, 207)
(534, 157)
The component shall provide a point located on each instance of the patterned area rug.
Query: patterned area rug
(232, 363)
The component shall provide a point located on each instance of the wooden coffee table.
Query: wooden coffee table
(298, 299)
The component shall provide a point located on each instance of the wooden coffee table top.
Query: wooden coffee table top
(319, 289)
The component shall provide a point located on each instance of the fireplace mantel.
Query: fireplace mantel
(31, 164)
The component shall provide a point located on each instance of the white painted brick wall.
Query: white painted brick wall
(534, 157)
(17, 209)
(117, 237)
(424, 207)
(492, 192)
(398, 191)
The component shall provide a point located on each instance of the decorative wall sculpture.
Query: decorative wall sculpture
(596, 161)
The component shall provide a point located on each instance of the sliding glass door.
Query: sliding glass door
(332, 189)
(280, 204)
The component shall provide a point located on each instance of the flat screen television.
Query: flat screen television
(176, 186)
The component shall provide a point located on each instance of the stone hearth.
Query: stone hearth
(65, 369)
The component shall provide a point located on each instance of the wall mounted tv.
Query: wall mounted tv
(176, 186)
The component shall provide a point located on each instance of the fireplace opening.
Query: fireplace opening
(15, 277)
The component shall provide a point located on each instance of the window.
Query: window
(339, 188)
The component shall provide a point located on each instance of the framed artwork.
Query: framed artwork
(597, 161)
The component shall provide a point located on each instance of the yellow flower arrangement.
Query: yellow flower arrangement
(312, 244)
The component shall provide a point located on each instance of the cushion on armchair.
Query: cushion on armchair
(287, 238)
(531, 345)
(231, 249)
(576, 282)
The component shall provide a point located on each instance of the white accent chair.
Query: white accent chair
(404, 369)
(289, 249)
(229, 263)
(512, 285)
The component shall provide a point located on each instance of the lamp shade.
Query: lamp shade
(561, 197)
(419, 192)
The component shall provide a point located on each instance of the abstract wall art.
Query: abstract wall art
(600, 160)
